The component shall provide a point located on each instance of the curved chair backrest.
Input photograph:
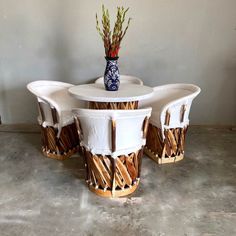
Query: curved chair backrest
(171, 104)
(124, 79)
(53, 99)
(112, 132)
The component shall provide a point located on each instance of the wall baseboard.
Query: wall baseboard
(20, 128)
(232, 127)
(35, 128)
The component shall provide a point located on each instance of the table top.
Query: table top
(97, 93)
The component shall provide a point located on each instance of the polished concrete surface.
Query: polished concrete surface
(45, 197)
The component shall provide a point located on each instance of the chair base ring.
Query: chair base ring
(162, 160)
(118, 193)
(60, 156)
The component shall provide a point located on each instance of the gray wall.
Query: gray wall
(169, 41)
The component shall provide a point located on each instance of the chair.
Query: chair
(169, 121)
(124, 79)
(58, 130)
(112, 142)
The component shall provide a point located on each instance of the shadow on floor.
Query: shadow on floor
(75, 165)
(32, 141)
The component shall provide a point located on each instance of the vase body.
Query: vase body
(112, 75)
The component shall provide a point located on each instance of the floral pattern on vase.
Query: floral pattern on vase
(112, 75)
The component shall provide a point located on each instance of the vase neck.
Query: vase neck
(111, 58)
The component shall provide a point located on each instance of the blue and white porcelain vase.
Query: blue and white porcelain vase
(112, 75)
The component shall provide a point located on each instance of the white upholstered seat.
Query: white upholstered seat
(54, 94)
(97, 129)
(113, 141)
(55, 106)
(171, 97)
(124, 79)
(171, 105)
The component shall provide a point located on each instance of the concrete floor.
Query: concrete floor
(44, 197)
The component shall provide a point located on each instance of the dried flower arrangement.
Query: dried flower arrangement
(113, 39)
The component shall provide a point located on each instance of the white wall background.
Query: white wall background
(169, 41)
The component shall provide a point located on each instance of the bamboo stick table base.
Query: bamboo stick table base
(114, 105)
(59, 148)
(169, 150)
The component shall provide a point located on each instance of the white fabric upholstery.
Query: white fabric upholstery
(124, 79)
(65, 119)
(96, 130)
(171, 98)
(54, 94)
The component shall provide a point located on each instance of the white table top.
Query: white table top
(97, 93)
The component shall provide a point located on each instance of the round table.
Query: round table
(126, 97)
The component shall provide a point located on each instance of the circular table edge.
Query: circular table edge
(111, 99)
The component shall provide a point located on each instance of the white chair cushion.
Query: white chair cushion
(96, 128)
(54, 94)
(171, 98)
